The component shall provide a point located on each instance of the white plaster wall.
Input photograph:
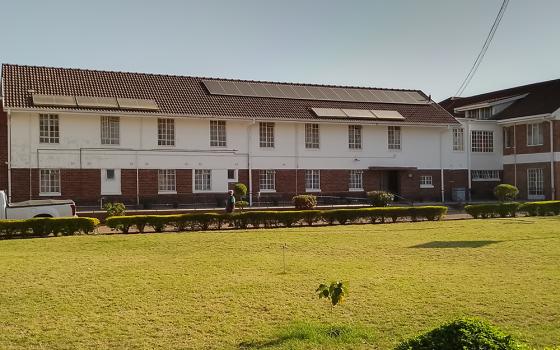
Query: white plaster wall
(138, 146)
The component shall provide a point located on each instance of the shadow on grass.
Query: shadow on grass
(455, 244)
(300, 333)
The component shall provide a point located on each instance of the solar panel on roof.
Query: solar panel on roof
(322, 93)
(358, 113)
(136, 103)
(214, 87)
(97, 102)
(274, 90)
(54, 100)
(387, 115)
(329, 112)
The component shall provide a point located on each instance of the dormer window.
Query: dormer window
(479, 113)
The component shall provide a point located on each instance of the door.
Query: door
(390, 181)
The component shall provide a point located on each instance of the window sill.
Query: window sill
(111, 193)
(540, 144)
(426, 186)
(355, 190)
(267, 191)
(536, 197)
(481, 180)
(167, 192)
(50, 194)
(313, 190)
(203, 191)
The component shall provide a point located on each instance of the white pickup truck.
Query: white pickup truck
(43, 208)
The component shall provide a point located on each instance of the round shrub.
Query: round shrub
(505, 192)
(241, 204)
(114, 209)
(380, 198)
(240, 190)
(464, 333)
(305, 201)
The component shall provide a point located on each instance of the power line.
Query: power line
(482, 52)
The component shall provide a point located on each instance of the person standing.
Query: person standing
(230, 202)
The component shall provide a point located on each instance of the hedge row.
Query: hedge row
(43, 227)
(255, 219)
(511, 209)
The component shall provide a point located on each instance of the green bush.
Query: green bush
(241, 204)
(305, 201)
(543, 208)
(505, 192)
(464, 333)
(269, 218)
(493, 210)
(240, 190)
(114, 209)
(380, 198)
(43, 227)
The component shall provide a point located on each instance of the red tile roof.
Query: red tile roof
(542, 98)
(182, 95)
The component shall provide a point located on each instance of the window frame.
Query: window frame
(355, 137)
(458, 135)
(266, 134)
(312, 136)
(166, 132)
(480, 146)
(49, 133)
(267, 180)
(47, 182)
(313, 178)
(485, 175)
(531, 141)
(167, 181)
(218, 133)
(509, 137)
(110, 135)
(353, 175)
(394, 138)
(539, 189)
(202, 177)
(235, 175)
(426, 181)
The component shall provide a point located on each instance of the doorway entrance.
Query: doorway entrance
(390, 182)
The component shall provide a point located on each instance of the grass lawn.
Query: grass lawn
(226, 290)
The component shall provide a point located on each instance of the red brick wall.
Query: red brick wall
(3, 150)
(521, 140)
(522, 177)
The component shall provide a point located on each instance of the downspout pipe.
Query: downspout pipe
(250, 160)
(552, 180)
(9, 139)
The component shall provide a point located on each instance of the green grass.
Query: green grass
(227, 290)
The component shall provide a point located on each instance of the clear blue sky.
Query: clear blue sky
(418, 44)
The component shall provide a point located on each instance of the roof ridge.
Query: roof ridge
(510, 88)
(211, 78)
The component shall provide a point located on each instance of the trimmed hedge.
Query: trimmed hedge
(543, 208)
(493, 210)
(43, 227)
(304, 201)
(256, 219)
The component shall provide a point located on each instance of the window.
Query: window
(266, 135)
(535, 184)
(485, 175)
(356, 181)
(355, 136)
(49, 131)
(535, 135)
(110, 131)
(202, 180)
(232, 175)
(49, 182)
(110, 174)
(166, 181)
(312, 180)
(267, 180)
(311, 135)
(394, 137)
(482, 141)
(426, 181)
(458, 139)
(166, 132)
(508, 137)
(480, 113)
(217, 133)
